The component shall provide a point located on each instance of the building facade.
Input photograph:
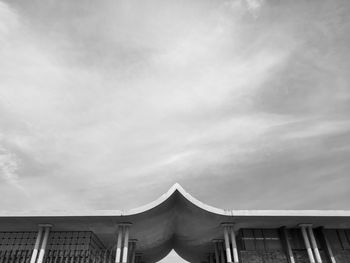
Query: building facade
(197, 232)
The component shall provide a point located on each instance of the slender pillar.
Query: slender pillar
(314, 244)
(44, 243)
(222, 253)
(327, 246)
(119, 245)
(216, 251)
(126, 244)
(138, 257)
(132, 250)
(227, 244)
(37, 245)
(288, 247)
(307, 243)
(234, 245)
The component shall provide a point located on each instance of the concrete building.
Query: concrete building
(197, 232)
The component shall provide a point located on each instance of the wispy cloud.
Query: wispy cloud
(9, 165)
(98, 98)
(254, 6)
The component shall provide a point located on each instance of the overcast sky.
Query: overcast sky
(106, 104)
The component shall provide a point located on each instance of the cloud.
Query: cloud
(254, 6)
(101, 98)
(318, 129)
(8, 21)
(9, 165)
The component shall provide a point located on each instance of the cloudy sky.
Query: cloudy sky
(106, 104)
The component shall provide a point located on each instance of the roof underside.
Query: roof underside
(175, 221)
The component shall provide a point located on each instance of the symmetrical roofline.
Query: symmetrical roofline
(176, 220)
(178, 188)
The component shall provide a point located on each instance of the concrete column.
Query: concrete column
(37, 244)
(307, 243)
(222, 253)
(234, 245)
(119, 245)
(126, 244)
(138, 257)
(327, 246)
(288, 247)
(44, 243)
(227, 245)
(132, 250)
(217, 260)
(314, 244)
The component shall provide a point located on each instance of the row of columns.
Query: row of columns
(310, 244)
(308, 237)
(126, 247)
(40, 243)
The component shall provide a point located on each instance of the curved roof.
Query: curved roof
(176, 221)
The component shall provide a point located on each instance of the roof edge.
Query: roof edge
(178, 188)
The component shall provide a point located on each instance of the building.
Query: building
(197, 232)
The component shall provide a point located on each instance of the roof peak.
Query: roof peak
(177, 186)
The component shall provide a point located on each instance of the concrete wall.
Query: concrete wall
(300, 256)
(342, 256)
(263, 257)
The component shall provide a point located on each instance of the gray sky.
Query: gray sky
(105, 104)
